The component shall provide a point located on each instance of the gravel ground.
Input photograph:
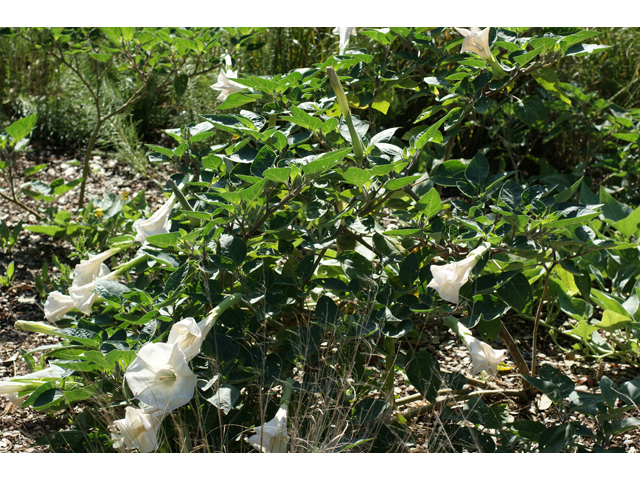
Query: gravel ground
(21, 428)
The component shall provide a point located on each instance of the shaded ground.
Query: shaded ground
(20, 428)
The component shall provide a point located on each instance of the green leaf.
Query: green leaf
(430, 204)
(356, 176)
(233, 248)
(265, 158)
(585, 49)
(566, 194)
(624, 425)
(517, 293)
(423, 371)
(223, 398)
(574, 307)
(630, 391)
(552, 383)
(527, 57)
(306, 267)
(302, 118)
(583, 330)
(176, 279)
(235, 100)
(110, 290)
(326, 312)
(399, 183)
(409, 270)
(31, 170)
(477, 170)
(21, 128)
(531, 111)
(630, 225)
(280, 175)
(50, 230)
(180, 83)
(356, 266)
(449, 173)
(486, 305)
(249, 194)
(555, 439)
(527, 429)
(164, 240)
(101, 57)
(549, 81)
(381, 105)
(577, 37)
(325, 162)
(612, 321)
(612, 210)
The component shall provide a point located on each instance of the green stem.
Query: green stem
(287, 390)
(496, 68)
(128, 266)
(183, 202)
(537, 321)
(215, 313)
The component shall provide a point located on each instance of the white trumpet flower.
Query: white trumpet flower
(188, 335)
(448, 279)
(344, 33)
(57, 305)
(483, 357)
(139, 429)
(476, 41)
(86, 273)
(272, 437)
(156, 224)
(226, 86)
(161, 377)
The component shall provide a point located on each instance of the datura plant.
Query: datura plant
(307, 258)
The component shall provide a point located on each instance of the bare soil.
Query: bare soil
(20, 428)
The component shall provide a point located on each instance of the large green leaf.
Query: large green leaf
(531, 111)
(478, 169)
(555, 439)
(552, 383)
(232, 247)
(21, 128)
(629, 225)
(449, 173)
(325, 162)
(517, 293)
(612, 210)
(423, 371)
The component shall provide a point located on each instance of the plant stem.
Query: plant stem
(537, 321)
(514, 351)
(387, 388)
(21, 205)
(442, 400)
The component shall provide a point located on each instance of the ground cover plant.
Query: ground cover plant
(320, 225)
